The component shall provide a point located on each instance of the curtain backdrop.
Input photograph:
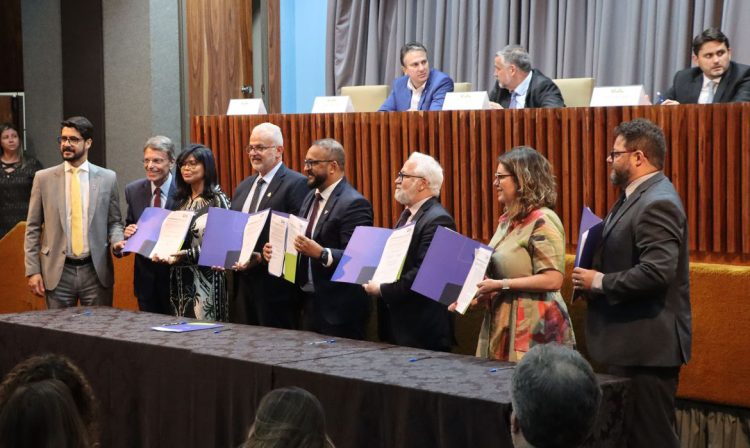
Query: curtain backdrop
(615, 42)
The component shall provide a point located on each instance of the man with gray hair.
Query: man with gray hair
(518, 86)
(151, 280)
(406, 317)
(555, 398)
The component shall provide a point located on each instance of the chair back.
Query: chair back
(576, 92)
(366, 98)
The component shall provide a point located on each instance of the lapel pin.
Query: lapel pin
(269, 194)
(325, 212)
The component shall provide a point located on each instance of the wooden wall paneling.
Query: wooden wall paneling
(704, 172)
(381, 149)
(483, 173)
(744, 194)
(732, 190)
(273, 89)
(719, 168)
(691, 200)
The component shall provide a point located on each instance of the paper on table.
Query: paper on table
(394, 255)
(295, 227)
(476, 274)
(253, 228)
(277, 239)
(185, 327)
(172, 234)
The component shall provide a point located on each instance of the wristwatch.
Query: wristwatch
(323, 258)
(506, 283)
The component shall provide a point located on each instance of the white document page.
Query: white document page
(394, 254)
(172, 233)
(277, 238)
(250, 235)
(476, 274)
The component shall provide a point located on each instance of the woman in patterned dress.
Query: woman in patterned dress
(197, 290)
(521, 293)
(16, 177)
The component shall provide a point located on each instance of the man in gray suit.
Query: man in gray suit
(639, 321)
(74, 219)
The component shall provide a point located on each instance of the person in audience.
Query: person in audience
(41, 414)
(56, 367)
(68, 257)
(404, 316)
(16, 177)
(421, 88)
(555, 398)
(333, 209)
(638, 322)
(157, 189)
(289, 417)
(518, 86)
(715, 78)
(262, 298)
(521, 294)
(197, 291)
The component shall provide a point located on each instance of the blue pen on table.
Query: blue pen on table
(221, 330)
(82, 313)
(324, 341)
(419, 359)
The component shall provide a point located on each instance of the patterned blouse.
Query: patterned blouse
(515, 321)
(15, 189)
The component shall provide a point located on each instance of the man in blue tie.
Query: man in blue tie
(157, 189)
(519, 86)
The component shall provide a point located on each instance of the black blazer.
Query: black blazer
(643, 318)
(734, 86)
(345, 209)
(414, 319)
(146, 273)
(285, 193)
(543, 92)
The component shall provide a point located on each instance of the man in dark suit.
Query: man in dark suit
(518, 86)
(334, 208)
(404, 316)
(639, 321)
(421, 88)
(715, 79)
(261, 298)
(157, 189)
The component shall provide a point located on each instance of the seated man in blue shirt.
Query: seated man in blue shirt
(421, 88)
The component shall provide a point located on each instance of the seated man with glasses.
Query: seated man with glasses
(67, 251)
(261, 298)
(157, 189)
(404, 316)
(333, 209)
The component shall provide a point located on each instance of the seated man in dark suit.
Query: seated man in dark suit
(261, 298)
(519, 86)
(555, 398)
(716, 79)
(406, 317)
(151, 280)
(334, 208)
(421, 88)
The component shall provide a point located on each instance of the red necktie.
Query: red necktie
(157, 197)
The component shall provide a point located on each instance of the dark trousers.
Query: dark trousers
(265, 300)
(314, 320)
(650, 417)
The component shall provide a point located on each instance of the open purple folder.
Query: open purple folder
(222, 240)
(362, 255)
(149, 227)
(446, 266)
(589, 235)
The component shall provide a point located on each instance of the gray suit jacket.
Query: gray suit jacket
(46, 241)
(643, 318)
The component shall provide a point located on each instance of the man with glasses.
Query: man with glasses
(333, 209)
(74, 218)
(519, 86)
(638, 323)
(261, 298)
(157, 189)
(404, 316)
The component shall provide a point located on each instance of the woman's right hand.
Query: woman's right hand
(130, 230)
(489, 286)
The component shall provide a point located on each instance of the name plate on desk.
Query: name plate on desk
(466, 101)
(332, 104)
(619, 96)
(246, 106)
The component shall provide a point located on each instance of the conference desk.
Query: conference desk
(201, 388)
(708, 160)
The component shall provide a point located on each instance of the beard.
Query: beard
(317, 180)
(404, 197)
(619, 177)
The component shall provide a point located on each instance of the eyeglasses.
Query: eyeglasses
(72, 140)
(614, 154)
(401, 175)
(499, 177)
(147, 162)
(257, 148)
(311, 163)
(190, 164)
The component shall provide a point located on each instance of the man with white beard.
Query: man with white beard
(406, 317)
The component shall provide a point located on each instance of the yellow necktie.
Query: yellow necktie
(76, 214)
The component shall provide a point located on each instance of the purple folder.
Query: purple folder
(593, 225)
(446, 265)
(362, 255)
(222, 239)
(149, 227)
